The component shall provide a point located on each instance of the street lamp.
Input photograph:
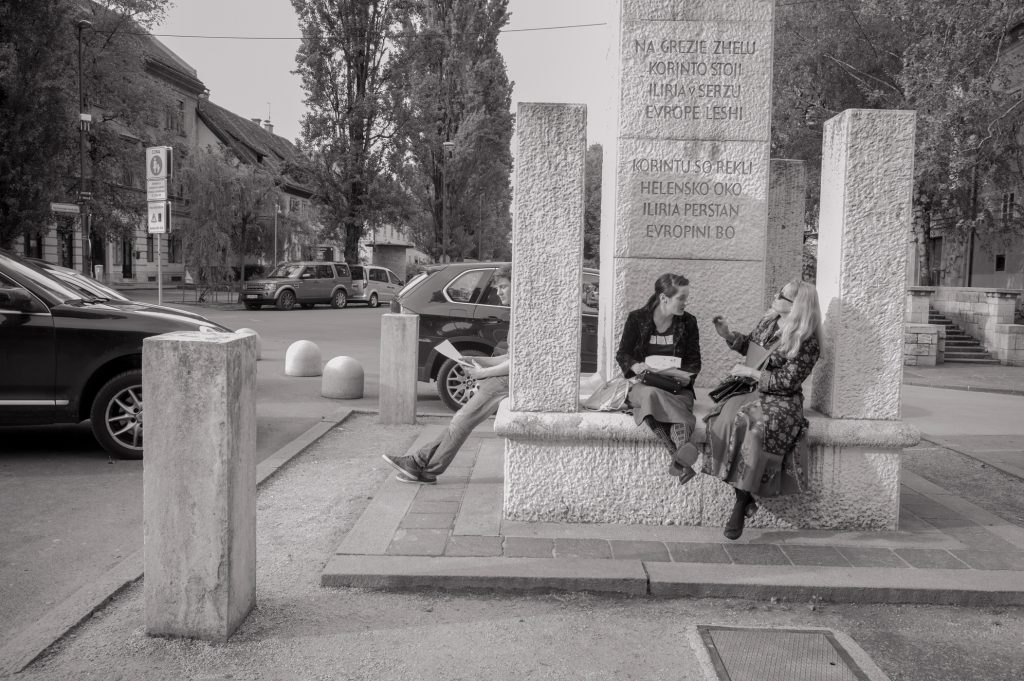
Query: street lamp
(449, 150)
(84, 119)
(277, 211)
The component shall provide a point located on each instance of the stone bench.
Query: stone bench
(600, 467)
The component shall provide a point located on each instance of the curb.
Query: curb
(26, 647)
(966, 388)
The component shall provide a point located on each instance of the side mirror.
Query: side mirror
(15, 299)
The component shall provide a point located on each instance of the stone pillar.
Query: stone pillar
(547, 257)
(867, 174)
(687, 174)
(919, 300)
(784, 248)
(399, 346)
(199, 483)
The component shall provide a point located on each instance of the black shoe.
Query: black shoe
(682, 471)
(405, 465)
(741, 510)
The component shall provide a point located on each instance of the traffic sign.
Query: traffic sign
(65, 208)
(159, 218)
(156, 190)
(158, 163)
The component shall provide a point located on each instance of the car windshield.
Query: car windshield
(49, 284)
(285, 272)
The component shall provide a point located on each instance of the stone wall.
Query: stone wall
(923, 344)
(986, 314)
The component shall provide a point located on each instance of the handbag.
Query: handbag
(663, 382)
(610, 396)
(731, 386)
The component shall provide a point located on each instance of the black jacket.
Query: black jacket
(637, 331)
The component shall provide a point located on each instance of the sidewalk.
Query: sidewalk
(993, 378)
(452, 536)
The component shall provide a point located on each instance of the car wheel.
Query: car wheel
(454, 385)
(252, 306)
(373, 302)
(306, 306)
(117, 415)
(286, 300)
(339, 300)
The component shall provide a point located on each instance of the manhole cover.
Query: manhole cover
(752, 654)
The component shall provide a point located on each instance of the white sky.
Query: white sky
(253, 78)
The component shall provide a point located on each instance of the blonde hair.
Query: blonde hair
(803, 320)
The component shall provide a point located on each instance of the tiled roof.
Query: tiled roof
(248, 140)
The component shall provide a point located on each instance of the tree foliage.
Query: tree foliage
(945, 60)
(450, 85)
(592, 206)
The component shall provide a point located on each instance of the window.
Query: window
(308, 273)
(1007, 207)
(294, 206)
(358, 273)
(342, 269)
(324, 272)
(380, 275)
(33, 245)
(468, 287)
(174, 248)
(149, 248)
(392, 278)
(174, 117)
(1000, 263)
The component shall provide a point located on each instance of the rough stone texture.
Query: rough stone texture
(259, 341)
(547, 247)
(399, 345)
(343, 379)
(918, 302)
(693, 10)
(866, 182)
(602, 468)
(302, 358)
(784, 246)
(732, 289)
(199, 483)
(921, 344)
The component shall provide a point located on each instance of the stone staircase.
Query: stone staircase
(960, 347)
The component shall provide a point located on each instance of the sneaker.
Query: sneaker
(421, 479)
(405, 465)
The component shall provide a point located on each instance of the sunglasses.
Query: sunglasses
(782, 296)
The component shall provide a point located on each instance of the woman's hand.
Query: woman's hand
(744, 371)
(476, 372)
(721, 326)
(640, 367)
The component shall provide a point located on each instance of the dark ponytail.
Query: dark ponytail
(669, 284)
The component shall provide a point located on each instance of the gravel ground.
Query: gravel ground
(302, 631)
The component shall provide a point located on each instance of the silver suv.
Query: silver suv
(302, 283)
(373, 285)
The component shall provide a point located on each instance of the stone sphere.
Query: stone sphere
(303, 359)
(259, 341)
(343, 379)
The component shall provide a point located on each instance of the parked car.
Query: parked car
(459, 303)
(373, 285)
(67, 357)
(305, 283)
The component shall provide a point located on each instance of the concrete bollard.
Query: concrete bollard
(199, 483)
(343, 379)
(259, 341)
(399, 334)
(303, 359)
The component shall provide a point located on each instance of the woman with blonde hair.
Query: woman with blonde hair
(755, 437)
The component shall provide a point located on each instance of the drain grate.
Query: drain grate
(753, 654)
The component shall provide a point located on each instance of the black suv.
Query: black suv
(302, 283)
(66, 356)
(459, 303)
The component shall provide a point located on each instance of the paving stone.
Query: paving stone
(419, 506)
(642, 550)
(470, 545)
(815, 555)
(992, 560)
(529, 547)
(980, 539)
(420, 542)
(440, 521)
(931, 558)
(756, 554)
(441, 492)
(697, 552)
(582, 548)
(869, 556)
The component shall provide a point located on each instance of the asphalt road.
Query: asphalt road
(68, 513)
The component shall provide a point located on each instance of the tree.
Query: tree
(347, 127)
(592, 206)
(228, 203)
(941, 59)
(451, 86)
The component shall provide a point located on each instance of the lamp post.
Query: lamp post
(449, 149)
(84, 119)
(277, 211)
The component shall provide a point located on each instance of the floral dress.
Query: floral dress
(755, 439)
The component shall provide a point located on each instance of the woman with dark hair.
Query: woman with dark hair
(754, 437)
(663, 329)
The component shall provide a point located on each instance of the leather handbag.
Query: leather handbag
(732, 386)
(663, 382)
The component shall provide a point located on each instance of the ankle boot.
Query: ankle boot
(741, 510)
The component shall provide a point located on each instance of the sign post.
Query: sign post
(158, 174)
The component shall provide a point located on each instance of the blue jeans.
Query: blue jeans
(437, 456)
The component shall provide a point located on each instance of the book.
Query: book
(448, 350)
(756, 356)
